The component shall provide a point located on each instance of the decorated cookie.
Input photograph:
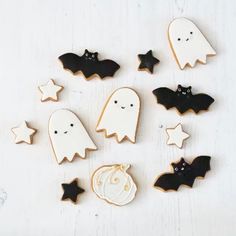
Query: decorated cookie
(183, 99)
(88, 64)
(120, 115)
(23, 133)
(147, 61)
(188, 43)
(176, 136)
(71, 191)
(68, 136)
(113, 184)
(184, 173)
(50, 91)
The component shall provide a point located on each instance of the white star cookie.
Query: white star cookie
(23, 133)
(176, 136)
(50, 91)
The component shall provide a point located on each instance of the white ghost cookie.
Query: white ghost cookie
(68, 136)
(188, 43)
(113, 184)
(120, 115)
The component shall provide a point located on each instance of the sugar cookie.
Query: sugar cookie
(24, 133)
(113, 184)
(183, 99)
(50, 91)
(147, 61)
(184, 173)
(188, 43)
(120, 115)
(88, 64)
(176, 136)
(71, 191)
(68, 136)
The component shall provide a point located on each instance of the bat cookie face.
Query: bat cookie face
(113, 184)
(120, 115)
(88, 64)
(188, 43)
(183, 99)
(68, 136)
(184, 173)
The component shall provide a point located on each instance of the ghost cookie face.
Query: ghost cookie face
(188, 43)
(120, 115)
(113, 184)
(68, 136)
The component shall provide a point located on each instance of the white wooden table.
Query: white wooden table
(33, 34)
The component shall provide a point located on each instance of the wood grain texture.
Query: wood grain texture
(33, 34)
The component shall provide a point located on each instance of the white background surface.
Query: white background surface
(33, 34)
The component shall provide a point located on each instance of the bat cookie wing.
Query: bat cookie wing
(106, 68)
(201, 102)
(201, 165)
(70, 61)
(165, 96)
(167, 182)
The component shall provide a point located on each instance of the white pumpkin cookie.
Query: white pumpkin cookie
(120, 115)
(113, 184)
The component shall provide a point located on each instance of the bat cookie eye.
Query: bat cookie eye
(71, 125)
(55, 132)
(115, 102)
(184, 164)
(176, 169)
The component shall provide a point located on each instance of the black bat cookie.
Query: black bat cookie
(88, 64)
(182, 99)
(184, 173)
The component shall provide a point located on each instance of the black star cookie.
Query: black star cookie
(147, 61)
(71, 191)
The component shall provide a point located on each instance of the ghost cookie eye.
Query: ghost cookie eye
(191, 32)
(131, 104)
(55, 132)
(115, 101)
(179, 39)
(71, 125)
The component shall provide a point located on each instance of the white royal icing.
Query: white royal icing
(176, 136)
(68, 136)
(188, 43)
(113, 184)
(23, 133)
(50, 91)
(120, 115)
